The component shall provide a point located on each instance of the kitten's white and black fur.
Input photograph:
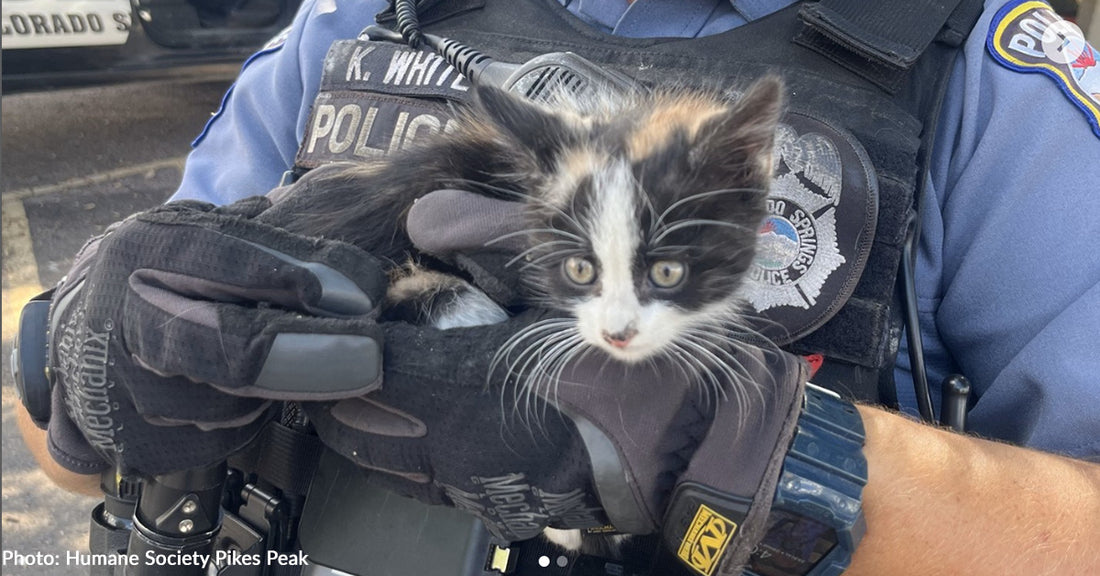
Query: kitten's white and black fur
(642, 214)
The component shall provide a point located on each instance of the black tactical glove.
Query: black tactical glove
(524, 455)
(600, 430)
(176, 329)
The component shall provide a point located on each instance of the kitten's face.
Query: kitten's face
(650, 217)
(661, 254)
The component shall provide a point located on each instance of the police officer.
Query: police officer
(1007, 293)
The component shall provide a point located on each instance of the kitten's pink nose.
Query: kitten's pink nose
(620, 339)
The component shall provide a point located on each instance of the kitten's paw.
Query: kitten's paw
(427, 297)
(570, 540)
(576, 541)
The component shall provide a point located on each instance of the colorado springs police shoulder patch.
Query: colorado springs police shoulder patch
(1027, 36)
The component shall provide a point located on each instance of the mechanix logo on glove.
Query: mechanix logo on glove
(512, 504)
(176, 332)
(706, 540)
(82, 355)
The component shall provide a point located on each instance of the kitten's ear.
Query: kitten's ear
(742, 139)
(537, 130)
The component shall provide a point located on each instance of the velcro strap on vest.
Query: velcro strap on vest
(880, 41)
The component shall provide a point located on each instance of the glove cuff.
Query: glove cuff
(806, 519)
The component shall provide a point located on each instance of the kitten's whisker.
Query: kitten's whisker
(732, 366)
(707, 381)
(648, 202)
(692, 345)
(528, 231)
(718, 329)
(547, 350)
(556, 359)
(701, 196)
(681, 224)
(674, 249)
(557, 367)
(741, 328)
(686, 361)
(524, 376)
(530, 198)
(523, 254)
(516, 339)
(675, 355)
(545, 257)
(537, 353)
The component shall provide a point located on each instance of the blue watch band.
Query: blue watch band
(816, 520)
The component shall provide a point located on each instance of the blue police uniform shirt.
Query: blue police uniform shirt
(1008, 277)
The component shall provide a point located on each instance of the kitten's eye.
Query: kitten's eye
(579, 270)
(667, 273)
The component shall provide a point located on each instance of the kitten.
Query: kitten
(642, 211)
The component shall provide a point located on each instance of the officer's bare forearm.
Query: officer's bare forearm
(35, 439)
(943, 503)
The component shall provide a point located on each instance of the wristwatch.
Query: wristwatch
(816, 518)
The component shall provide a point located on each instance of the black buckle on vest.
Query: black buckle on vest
(880, 41)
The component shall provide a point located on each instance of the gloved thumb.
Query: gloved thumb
(446, 222)
(483, 236)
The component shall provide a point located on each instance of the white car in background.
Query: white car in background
(65, 42)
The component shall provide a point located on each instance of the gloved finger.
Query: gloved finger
(244, 350)
(422, 357)
(635, 458)
(219, 256)
(399, 454)
(758, 415)
(743, 453)
(445, 222)
(424, 390)
(249, 207)
(486, 238)
(111, 430)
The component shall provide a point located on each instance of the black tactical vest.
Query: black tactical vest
(864, 88)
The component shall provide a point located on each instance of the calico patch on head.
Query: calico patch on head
(646, 209)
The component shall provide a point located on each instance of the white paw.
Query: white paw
(568, 539)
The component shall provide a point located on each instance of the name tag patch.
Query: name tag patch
(1027, 36)
(377, 98)
(389, 68)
